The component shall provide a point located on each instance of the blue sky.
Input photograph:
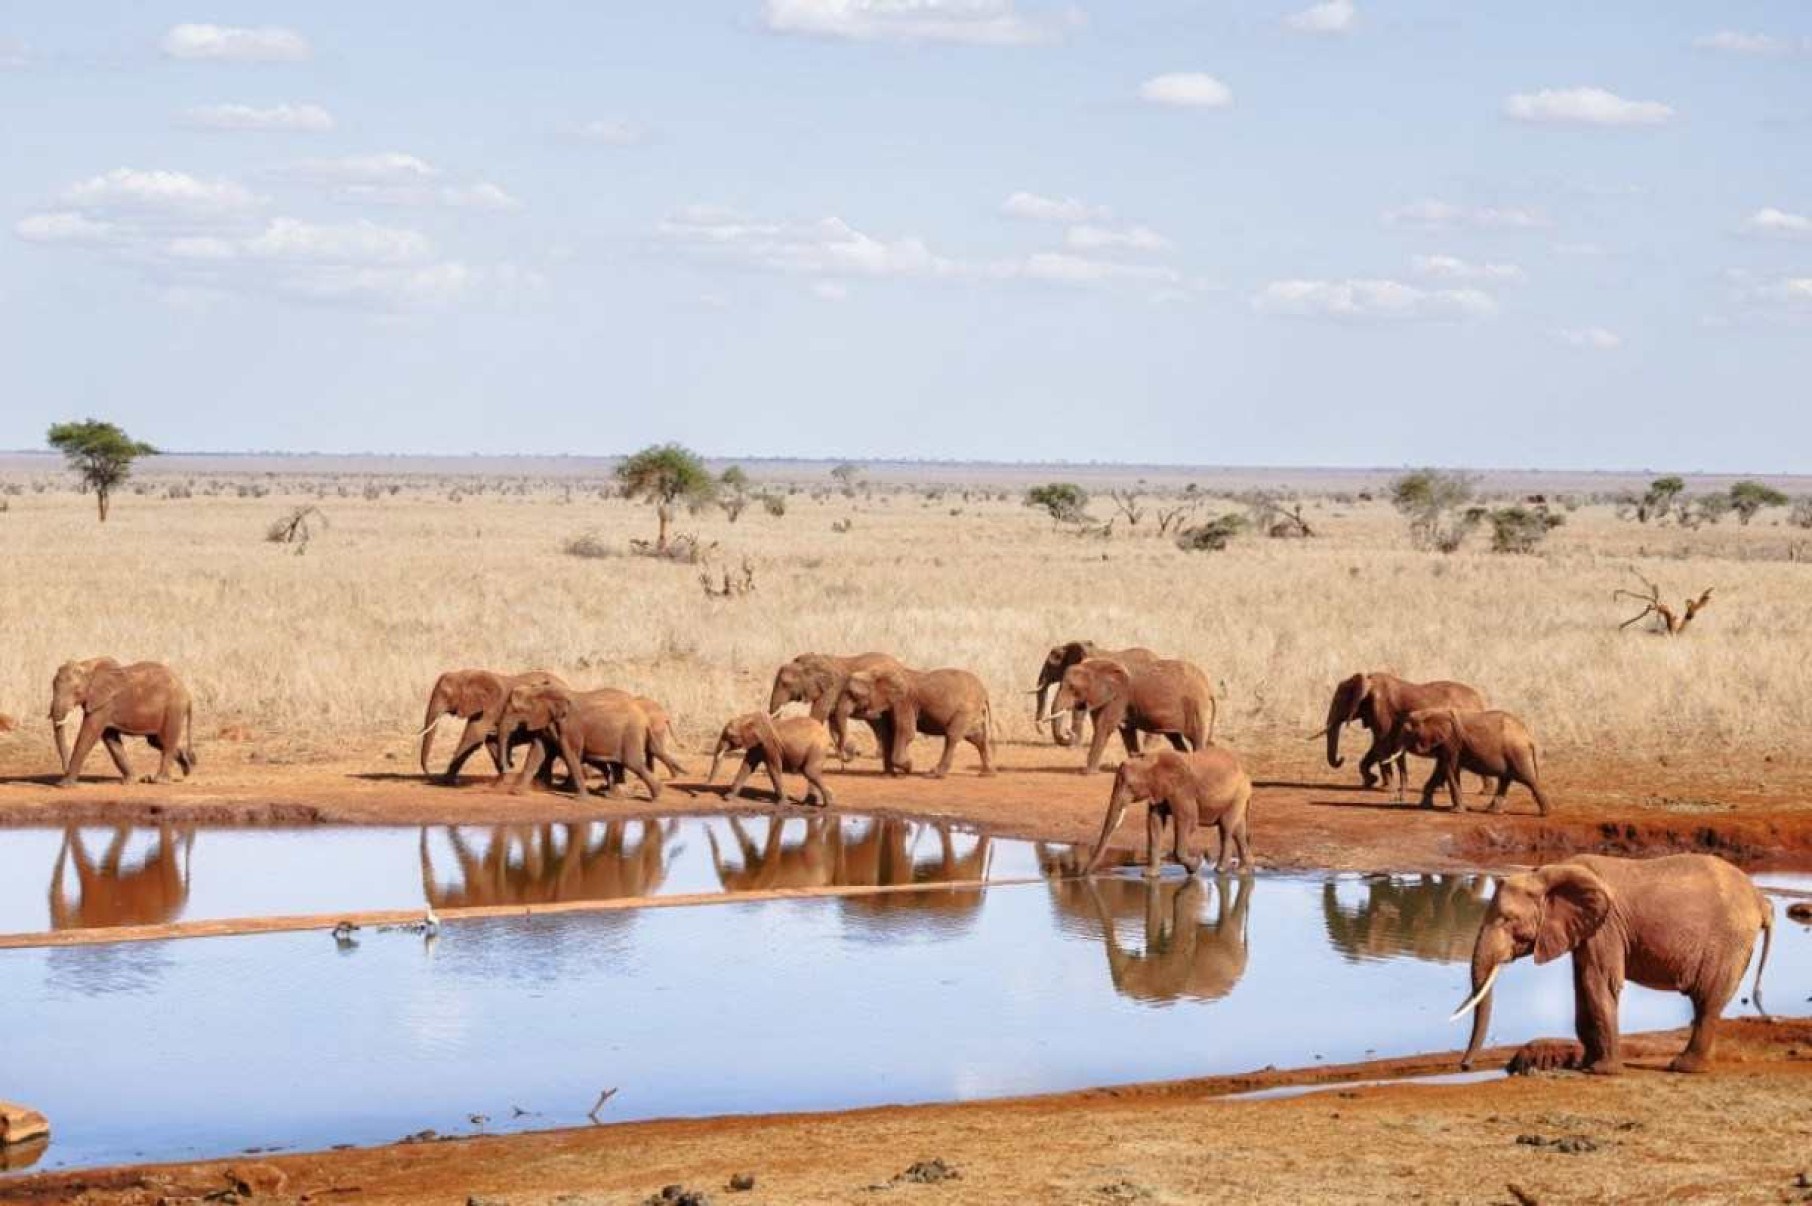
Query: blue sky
(1365, 233)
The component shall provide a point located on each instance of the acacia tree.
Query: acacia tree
(100, 454)
(667, 475)
(1432, 503)
(1749, 497)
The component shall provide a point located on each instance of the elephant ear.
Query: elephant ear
(1114, 681)
(477, 694)
(1575, 902)
(770, 742)
(105, 681)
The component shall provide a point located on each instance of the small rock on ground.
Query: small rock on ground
(677, 1195)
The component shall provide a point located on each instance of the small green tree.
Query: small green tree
(1212, 536)
(733, 492)
(667, 475)
(1659, 498)
(1431, 501)
(1747, 498)
(100, 454)
(1065, 502)
(1520, 529)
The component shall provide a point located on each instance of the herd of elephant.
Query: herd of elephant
(1687, 923)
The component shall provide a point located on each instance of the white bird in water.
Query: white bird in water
(431, 924)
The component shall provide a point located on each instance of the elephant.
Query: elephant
(1684, 923)
(548, 864)
(952, 704)
(884, 854)
(477, 697)
(1184, 955)
(792, 743)
(141, 700)
(1203, 787)
(774, 865)
(110, 893)
(1380, 700)
(660, 732)
(1061, 658)
(1494, 744)
(599, 728)
(1162, 696)
(1430, 917)
(817, 680)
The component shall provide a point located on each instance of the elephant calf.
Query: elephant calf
(598, 728)
(1685, 923)
(144, 699)
(1204, 787)
(1494, 744)
(794, 743)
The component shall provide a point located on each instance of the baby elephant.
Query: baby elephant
(1685, 923)
(1495, 745)
(1205, 787)
(794, 743)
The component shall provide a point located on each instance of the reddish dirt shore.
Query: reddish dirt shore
(1742, 1133)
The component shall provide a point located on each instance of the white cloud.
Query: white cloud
(831, 291)
(1035, 208)
(1585, 106)
(1453, 268)
(233, 44)
(358, 242)
(14, 55)
(1731, 41)
(973, 22)
(1333, 17)
(829, 247)
(169, 193)
(609, 131)
(1062, 268)
(396, 178)
(1778, 222)
(1187, 90)
(1105, 238)
(63, 226)
(1444, 215)
(308, 119)
(1365, 300)
(1594, 339)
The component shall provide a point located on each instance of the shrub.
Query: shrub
(1212, 536)
(1431, 501)
(1065, 502)
(1521, 529)
(774, 504)
(1801, 516)
(589, 545)
(297, 527)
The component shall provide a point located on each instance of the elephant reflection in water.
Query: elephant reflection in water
(548, 864)
(1186, 953)
(1429, 917)
(884, 855)
(881, 854)
(109, 892)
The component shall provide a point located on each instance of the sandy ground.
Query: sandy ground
(1741, 1133)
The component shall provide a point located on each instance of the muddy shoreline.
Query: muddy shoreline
(1145, 1142)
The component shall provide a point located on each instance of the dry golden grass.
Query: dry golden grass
(342, 642)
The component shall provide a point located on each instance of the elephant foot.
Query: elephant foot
(152, 779)
(1152, 873)
(1687, 1061)
(935, 774)
(1495, 806)
(65, 781)
(988, 772)
(1546, 1055)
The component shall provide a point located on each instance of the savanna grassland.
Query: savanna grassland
(329, 650)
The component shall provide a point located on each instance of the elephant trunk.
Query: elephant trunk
(1489, 955)
(437, 707)
(716, 757)
(58, 725)
(778, 698)
(1336, 721)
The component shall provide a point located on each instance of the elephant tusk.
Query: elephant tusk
(1472, 1002)
(429, 727)
(1318, 736)
(68, 719)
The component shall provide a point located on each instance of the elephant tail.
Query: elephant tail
(1755, 990)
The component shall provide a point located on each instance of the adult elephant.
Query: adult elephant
(1379, 701)
(1685, 923)
(144, 699)
(1061, 658)
(605, 729)
(1495, 745)
(660, 730)
(1427, 917)
(1204, 787)
(817, 680)
(1166, 696)
(952, 704)
(476, 697)
(110, 892)
(1186, 952)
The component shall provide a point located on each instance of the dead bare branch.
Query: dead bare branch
(1668, 621)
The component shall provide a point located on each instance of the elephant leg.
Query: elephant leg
(1595, 992)
(1154, 841)
(116, 749)
(469, 740)
(951, 741)
(1130, 737)
(1524, 770)
(1097, 744)
(743, 770)
(818, 793)
(1178, 743)
(1434, 783)
(86, 736)
(983, 741)
(166, 750)
(648, 780)
(531, 767)
(1697, 1056)
(1181, 830)
(1369, 762)
(1498, 793)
